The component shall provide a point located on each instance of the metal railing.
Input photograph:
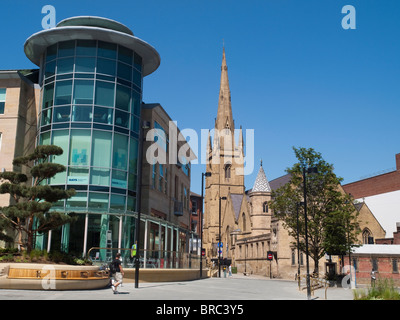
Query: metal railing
(147, 258)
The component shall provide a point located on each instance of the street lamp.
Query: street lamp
(144, 125)
(310, 171)
(219, 236)
(206, 174)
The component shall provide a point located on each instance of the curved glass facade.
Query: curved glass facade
(91, 97)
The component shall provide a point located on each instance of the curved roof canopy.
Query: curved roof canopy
(92, 28)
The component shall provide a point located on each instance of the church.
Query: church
(238, 223)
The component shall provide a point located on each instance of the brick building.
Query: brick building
(383, 259)
(381, 193)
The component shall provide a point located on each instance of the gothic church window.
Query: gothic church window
(227, 171)
(367, 237)
(265, 207)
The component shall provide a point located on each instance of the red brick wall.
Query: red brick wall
(385, 269)
(384, 183)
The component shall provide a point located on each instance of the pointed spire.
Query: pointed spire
(261, 184)
(224, 116)
(241, 141)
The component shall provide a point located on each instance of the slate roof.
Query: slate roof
(281, 181)
(261, 184)
(236, 203)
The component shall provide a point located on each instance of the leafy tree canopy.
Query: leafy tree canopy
(331, 216)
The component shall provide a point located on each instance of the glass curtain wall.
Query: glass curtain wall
(90, 107)
(91, 96)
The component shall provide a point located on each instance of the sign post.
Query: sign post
(270, 257)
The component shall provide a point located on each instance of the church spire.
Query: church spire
(224, 116)
(261, 184)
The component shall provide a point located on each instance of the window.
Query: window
(48, 93)
(194, 207)
(133, 155)
(81, 113)
(355, 264)
(160, 136)
(154, 176)
(63, 92)
(395, 266)
(121, 119)
(124, 71)
(66, 48)
(50, 69)
(98, 201)
(80, 147)
(51, 52)
(61, 114)
(265, 207)
(120, 156)
(123, 98)
(244, 221)
(104, 93)
(125, 55)
(117, 202)
(107, 50)
(2, 100)
(46, 117)
(374, 264)
(83, 92)
(161, 178)
(106, 66)
(293, 257)
(367, 237)
(119, 179)
(65, 65)
(101, 149)
(166, 181)
(227, 171)
(79, 200)
(103, 115)
(85, 64)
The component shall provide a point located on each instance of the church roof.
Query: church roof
(281, 181)
(236, 203)
(261, 184)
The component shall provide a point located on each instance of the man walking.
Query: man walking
(117, 273)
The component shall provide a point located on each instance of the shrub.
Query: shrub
(383, 290)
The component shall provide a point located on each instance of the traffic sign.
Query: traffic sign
(270, 255)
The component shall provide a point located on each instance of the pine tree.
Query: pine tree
(29, 210)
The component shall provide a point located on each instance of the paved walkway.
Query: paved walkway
(238, 287)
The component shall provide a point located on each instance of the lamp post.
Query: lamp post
(144, 125)
(309, 170)
(219, 238)
(298, 244)
(207, 174)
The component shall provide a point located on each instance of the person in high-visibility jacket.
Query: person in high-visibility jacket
(133, 250)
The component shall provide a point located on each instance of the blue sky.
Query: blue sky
(297, 77)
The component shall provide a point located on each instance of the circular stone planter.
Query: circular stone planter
(31, 276)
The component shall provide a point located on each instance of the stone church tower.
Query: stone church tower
(225, 163)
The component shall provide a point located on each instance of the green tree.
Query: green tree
(331, 216)
(28, 212)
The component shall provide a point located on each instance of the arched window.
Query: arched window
(265, 207)
(228, 171)
(367, 237)
(244, 221)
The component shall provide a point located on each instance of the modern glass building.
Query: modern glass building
(91, 75)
